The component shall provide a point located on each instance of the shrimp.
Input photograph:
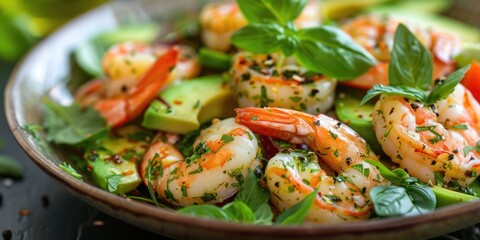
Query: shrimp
(257, 82)
(376, 34)
(135, 73)
(125, 63)
(224, 154)
(220, 20)
(428, 141)
(291, 176)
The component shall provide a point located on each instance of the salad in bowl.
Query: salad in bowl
(266, 113)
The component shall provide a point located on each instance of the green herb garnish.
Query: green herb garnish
(407, 196)
(151, 173)
(410, 72)
(468, 149)
(70, 170)
(326, 49)
(72, 125)
(430, 129)
(113, 181)
(226, 138)
(10, 168)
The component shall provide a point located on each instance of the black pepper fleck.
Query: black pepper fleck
(7, 235)
(45, 201)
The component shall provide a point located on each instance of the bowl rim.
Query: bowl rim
(167, 215)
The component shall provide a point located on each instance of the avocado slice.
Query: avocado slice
(117, 155)
(189, 104)
(356, 116)
(424, 6)
(469, 53)
(467, 33)
(337, 9)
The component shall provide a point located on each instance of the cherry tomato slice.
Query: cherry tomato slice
(472, 80)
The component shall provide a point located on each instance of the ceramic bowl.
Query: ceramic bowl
(48, 66)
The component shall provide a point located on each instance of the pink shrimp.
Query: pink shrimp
(293, 175)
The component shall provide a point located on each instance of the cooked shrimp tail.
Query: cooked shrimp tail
(224, 153)
(335, 144)
(123, 108)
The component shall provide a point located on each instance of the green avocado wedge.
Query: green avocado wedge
(356, 116)
(189, 104)
(466, 33)
(447, 197)
(469, 53)
(112, 160)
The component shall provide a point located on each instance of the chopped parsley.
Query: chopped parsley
(113, 181)
(430, 129)
(226, 138)
(70, 170)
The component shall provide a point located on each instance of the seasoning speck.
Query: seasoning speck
(24, 212)
(45, 201)
(7, 235)
(7, 182)
(98, 223)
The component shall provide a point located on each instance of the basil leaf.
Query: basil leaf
(70, 125)
(404, 91)
(423, 198)
(399, 172)
(390, 201)
(410, 63)
(298, 212)
(259, 38)
(252, 194)
(10, 168)
(279, 11)
(330, 51)
(113, 181)
(239, 211)
(263, 214)
(207, 211)
(385, 172)
(447, 86)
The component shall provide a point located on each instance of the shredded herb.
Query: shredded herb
(430, 129)
(226, 138)
(184, 191)
(198, 151)
(197, 104)
(360, 168)
(198, 170)
(208, 197)
(70, 170)
(468, 149)
(334, 136)
(460, 126)
(151, 173)
(33, 129)
(264, 100)
(113, 181)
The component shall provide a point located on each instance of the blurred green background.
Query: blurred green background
(24, 22)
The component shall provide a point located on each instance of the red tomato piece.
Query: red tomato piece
(472, 80)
